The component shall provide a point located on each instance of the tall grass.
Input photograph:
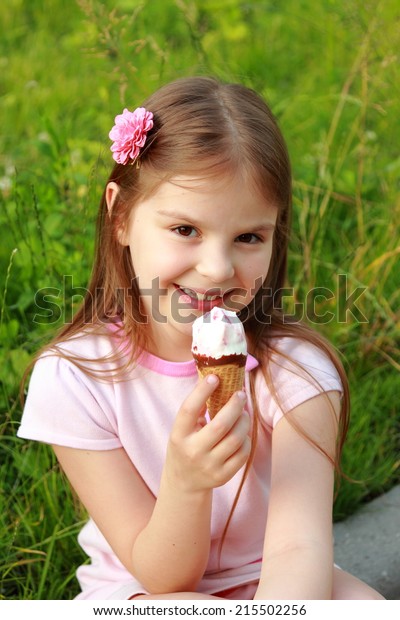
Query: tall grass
(329, 73)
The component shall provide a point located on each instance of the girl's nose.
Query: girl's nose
(216, 263)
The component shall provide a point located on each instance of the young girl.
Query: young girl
(195, 215)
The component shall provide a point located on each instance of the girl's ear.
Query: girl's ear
(112, 191)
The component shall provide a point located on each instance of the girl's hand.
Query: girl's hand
(203, 456)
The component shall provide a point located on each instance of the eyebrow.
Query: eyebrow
(177, 215)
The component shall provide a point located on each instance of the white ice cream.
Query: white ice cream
(218, 333)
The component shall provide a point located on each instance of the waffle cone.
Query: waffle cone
(231, 379)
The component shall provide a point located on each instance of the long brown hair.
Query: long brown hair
(207, 129)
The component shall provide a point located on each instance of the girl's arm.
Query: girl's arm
(164, 542)
(298, 547)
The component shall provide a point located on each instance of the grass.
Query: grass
(329, 71)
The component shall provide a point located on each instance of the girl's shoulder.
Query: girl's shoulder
(291, 353)
(96, 347)
(291, 372)
(69, 402)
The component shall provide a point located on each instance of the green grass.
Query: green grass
(329, 71)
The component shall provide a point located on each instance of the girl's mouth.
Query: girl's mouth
(204, 302)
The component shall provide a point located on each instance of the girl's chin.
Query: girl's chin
(184, 325)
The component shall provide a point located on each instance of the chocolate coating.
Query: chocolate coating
(204, 360)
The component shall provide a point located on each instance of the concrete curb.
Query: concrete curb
(367, 544)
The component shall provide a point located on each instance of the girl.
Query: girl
(195, 215)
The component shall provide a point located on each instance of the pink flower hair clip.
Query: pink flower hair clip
(129, 134)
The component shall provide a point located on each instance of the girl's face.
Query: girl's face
(197, 244)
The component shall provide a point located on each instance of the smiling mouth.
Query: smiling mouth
(204, 302)
(199, 296)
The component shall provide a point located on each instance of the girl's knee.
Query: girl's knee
(347, 587)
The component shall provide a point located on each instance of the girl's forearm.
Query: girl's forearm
(171, 552)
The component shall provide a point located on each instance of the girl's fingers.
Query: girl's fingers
(237, 459)
(225, 419)
(206, 456)
(194, 406)
(233, 441)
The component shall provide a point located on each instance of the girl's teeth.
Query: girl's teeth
(199, 296)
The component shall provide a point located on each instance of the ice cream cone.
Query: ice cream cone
(219, 347)
(231, 379)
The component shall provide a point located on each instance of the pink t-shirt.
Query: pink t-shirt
(68, 407)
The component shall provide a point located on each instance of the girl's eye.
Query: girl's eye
(249, 238)
(185, 231)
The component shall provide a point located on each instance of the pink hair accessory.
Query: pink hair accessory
(129, 134)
